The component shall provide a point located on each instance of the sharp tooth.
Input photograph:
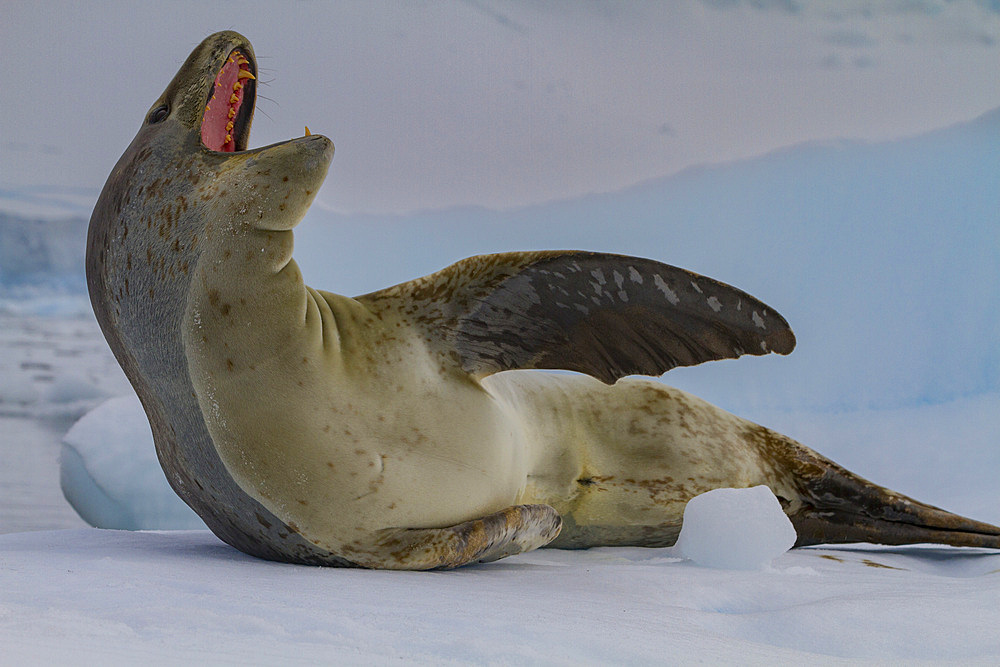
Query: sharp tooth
(245, 74)
(234, 98)
(237, 85)
(308, 133)
(229, 138)
(232, 112)
(229, 126)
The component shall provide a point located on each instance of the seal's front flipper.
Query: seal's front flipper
(511, 531)
(604, 315)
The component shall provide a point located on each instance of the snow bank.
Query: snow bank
(168, 598)
(735, 529)
(110, 475)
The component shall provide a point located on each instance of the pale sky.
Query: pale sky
(501, 104)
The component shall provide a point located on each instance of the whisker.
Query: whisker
(265, 114)
(264, 97)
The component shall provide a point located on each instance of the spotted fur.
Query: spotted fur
(309, 427)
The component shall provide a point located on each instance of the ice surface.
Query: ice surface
(735, 529)
(861, 247)
(118, 597)
(110, 475)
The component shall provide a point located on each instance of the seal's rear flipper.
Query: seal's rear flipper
(841, 507)
(830, 505)
(511, 531)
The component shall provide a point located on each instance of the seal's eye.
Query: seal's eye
(159, 114)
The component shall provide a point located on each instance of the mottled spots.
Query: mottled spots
(217, 303)
(594, 480)
(667, 292)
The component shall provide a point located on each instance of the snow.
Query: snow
(735, 529)
(55, 366)
(110, 475)
(875, 254)
(162, 598)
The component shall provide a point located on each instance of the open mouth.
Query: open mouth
(225, 126)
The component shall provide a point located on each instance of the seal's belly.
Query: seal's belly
(338, 450)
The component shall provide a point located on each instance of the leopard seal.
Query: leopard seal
(382, 431)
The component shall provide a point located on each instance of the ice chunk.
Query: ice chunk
(110, 475)
(735, 529)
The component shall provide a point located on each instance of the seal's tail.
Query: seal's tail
(832, 505)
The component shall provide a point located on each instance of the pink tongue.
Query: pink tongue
(227, 96)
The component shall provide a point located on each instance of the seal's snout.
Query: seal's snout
(321, 145)
(290, 173)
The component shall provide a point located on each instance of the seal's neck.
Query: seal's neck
(142, 247)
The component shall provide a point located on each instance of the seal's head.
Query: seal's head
(212, 96)
(197, 131)
(186, 177)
